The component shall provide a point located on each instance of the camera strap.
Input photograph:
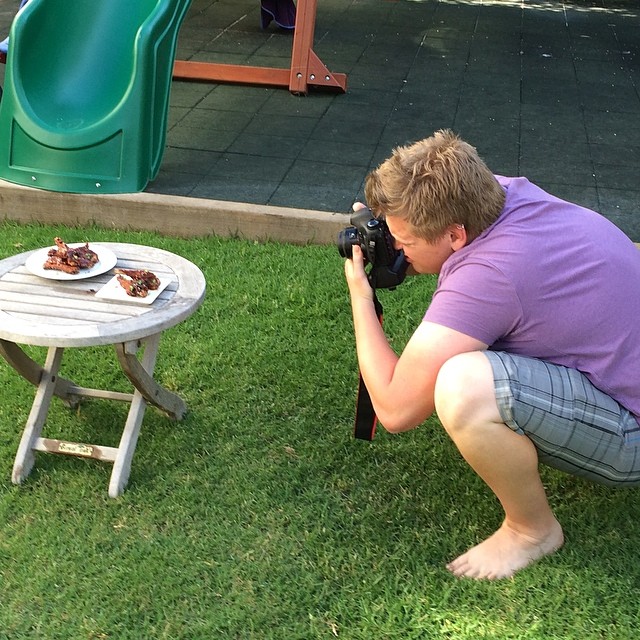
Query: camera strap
(366, 419)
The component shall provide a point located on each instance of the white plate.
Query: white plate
(106, 260)
(114, 291)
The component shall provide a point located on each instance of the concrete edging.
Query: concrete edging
(170, 215)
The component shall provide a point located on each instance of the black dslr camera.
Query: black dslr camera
(388, 265)
(388, 269)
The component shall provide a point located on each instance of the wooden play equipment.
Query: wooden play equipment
(306, 67)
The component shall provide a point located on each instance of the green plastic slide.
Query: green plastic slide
(86, 93)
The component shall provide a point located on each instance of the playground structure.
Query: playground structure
(89, 116)
(81, 121)
(306, 68)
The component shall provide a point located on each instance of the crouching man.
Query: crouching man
(530, 349)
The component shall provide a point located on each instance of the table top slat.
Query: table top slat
(70, 295)
(51, 320)
(40, 312)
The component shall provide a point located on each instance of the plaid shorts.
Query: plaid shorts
(574, 426)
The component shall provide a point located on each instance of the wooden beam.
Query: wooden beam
(232, 73)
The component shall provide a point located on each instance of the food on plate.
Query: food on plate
(70, 259)
(137, 282)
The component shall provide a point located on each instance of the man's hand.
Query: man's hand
(357, 279)
(356, 276)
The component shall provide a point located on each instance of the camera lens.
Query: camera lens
(346, 239)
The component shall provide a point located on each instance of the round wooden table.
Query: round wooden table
(72, 313)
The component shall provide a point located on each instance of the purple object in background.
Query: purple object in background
(4, 45)
(282, 12)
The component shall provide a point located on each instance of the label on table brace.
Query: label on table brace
(75, 449)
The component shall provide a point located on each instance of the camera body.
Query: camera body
(388, 265)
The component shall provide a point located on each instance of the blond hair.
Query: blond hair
(434, 183)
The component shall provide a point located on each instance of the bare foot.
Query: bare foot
(506, 552)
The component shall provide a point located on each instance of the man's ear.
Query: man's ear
(458, 235)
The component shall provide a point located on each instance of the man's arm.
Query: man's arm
(401, 387)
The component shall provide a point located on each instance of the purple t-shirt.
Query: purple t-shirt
(554, 281)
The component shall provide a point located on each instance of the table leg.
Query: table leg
(127, 446)
(31, 371)
(48, 383)
(147, 390)
(37, 416)
(141, 375)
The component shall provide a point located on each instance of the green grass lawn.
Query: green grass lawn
(259, 516)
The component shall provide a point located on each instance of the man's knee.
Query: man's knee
(464, 392)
